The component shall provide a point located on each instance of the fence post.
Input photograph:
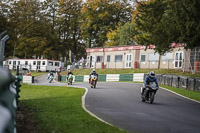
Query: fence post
(2, 46)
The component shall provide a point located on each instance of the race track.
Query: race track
(119, 103)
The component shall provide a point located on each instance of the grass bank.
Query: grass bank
(126, 71)
(59, 110)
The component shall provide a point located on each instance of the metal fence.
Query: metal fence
(9, 94)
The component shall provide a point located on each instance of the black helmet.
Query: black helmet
(152, 74)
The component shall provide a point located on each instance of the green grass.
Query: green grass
(59, 110)
(35, 74)
(188, 93)
(126, 71)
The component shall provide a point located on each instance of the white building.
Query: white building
(33, 64)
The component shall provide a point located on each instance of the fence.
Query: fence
(183, 82)
(9, 94)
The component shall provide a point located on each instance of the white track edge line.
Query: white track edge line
(180, 95)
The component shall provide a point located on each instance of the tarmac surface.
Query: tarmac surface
(119, 104)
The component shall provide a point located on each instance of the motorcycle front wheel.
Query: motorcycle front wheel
(151, 97)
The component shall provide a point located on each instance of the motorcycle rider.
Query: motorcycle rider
(93, 73)
(50, 74)
(69, 72)
(150, 78)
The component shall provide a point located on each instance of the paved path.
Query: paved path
(119, 104)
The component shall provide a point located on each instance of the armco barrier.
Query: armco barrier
(79, 78)
(8, 101)
(191, 83)
(126, 77)
(183, 82)
(112, 77)
(63, 78)
(139, 77)
(101, 77)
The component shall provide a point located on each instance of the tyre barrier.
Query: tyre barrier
(9, 94)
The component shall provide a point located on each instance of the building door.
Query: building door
(38, 65)
(129, 60)
(92, 61)
(178, 61)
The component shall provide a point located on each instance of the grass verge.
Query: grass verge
(59, 110)
(187, 93)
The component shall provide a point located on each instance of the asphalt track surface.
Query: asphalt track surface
(119, 104)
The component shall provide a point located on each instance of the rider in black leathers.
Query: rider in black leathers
(150, 78)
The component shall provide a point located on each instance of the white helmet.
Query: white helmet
(152, 74)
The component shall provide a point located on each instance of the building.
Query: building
(33, 64)
(138, 57)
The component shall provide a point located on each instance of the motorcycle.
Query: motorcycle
(70, 79)
(93, 81)
(149, 92)
(50, 78)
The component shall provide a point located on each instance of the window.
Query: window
(26, 62)
(50, 63)
(167, 56)
(178, 62)
(14, 62)
(34, 62)
(153, 57)
(142, 57)
(10, 62)
(43, 63)
(56, 63)
(18, 62)
(118, 58)
(99, 58)
(108, 58)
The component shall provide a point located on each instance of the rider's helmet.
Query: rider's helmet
(152, 74)
(51, 72)
(93, 70)
(69, 70)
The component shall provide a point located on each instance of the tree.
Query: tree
(69, 30)
(101, 16)
(149, 24)
(184, 26)
(123, 35)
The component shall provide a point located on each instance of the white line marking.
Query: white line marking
(180, 95)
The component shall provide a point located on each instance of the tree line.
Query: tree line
(52, 28)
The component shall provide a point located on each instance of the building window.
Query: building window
(108, 58)
(14, 62)
(18, 62)
(178, 62)
(118, 58)
(50, 63)
(99, 58)
(26, 62)
(10, 62)
(142, 57)
(34, 62)
(153, 57)
(167, 56)
(56, 63)
(43, 63)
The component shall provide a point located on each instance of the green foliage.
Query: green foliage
(101, 16)
(123, 35)
(58, 109)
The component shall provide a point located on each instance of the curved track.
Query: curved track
(120, 104)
